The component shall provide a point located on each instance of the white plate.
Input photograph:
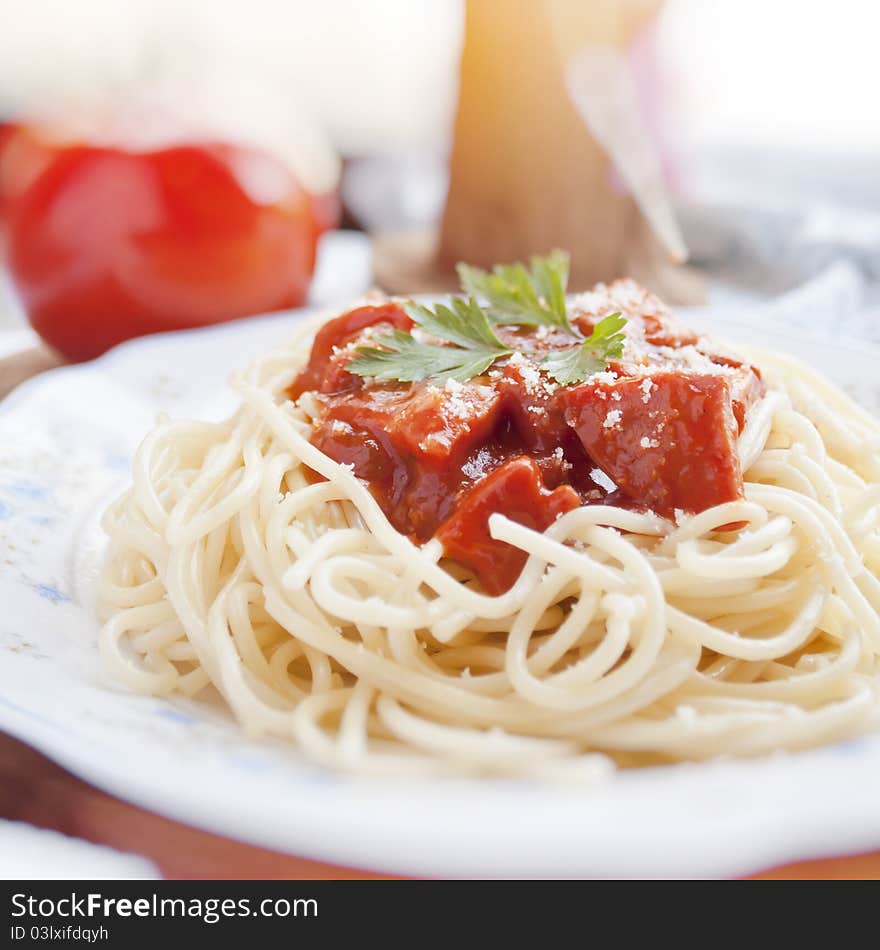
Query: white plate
(65, 444)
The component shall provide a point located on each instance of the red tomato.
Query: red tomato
(327, 209)
(23, 157)
(107, 244)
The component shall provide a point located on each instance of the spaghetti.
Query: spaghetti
(245, 558)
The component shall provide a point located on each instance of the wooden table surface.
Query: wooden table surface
(35, 790)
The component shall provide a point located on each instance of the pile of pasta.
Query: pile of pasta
(243, 559)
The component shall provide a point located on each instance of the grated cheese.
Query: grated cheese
(602, 480)
(612, 419)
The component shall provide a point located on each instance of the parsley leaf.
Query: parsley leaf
(517, 295)
(402, 357)
(550, 276)
(463, 322)
(458, 341)
(576, 363)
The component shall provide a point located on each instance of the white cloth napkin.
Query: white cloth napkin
(29, 853)
(789, 239)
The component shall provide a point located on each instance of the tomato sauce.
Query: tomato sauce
(656, 431)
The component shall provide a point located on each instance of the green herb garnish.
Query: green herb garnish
(475, 347)
(516, 295)
(462, 342)
(575, 363)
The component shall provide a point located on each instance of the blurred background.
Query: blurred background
(173, 163)
(741, 132)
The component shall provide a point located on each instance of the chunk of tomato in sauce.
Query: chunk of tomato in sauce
(669, 441)
(428, 424)
(325, 372)
(666, 332)
(410, 444)
(531, 405)
(517, 490)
